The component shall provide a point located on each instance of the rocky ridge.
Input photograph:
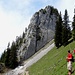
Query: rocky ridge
(40, 31)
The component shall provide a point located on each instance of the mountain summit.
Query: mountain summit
(40, 31)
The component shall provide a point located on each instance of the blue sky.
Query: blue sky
(15, 15)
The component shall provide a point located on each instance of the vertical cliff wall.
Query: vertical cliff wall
(40, 31)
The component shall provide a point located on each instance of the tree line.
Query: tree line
(9, 56)
(63, 31)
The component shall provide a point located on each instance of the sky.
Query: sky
(15, 16)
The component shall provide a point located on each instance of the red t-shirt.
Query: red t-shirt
(69, 57)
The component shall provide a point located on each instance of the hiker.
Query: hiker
(69, 62)
(74, 51)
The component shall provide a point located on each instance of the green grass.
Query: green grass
(53, 63)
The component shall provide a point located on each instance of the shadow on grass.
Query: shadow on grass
(73, 71)
(68, 42)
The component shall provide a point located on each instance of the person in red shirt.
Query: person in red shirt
(69, 62)
(74, 51)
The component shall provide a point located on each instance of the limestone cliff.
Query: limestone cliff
(40, 31)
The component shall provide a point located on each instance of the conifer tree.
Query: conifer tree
(13, 56)
(7, 59)
(73, 25)
(3, 57)
(66, 31)
(58, 32)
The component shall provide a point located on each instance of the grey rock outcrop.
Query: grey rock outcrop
(40, 31)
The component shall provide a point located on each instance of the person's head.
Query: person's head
(68, 51)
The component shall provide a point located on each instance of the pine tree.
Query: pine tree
(66, 31)
(7, 56)
(13, 56)
(73, 25)
(3, 57)
(58, 32)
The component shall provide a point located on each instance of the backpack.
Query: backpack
(72, 59)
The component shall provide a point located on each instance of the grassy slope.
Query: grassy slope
(54, 63)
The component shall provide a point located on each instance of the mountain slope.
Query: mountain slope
(21, 69)
(54, 63)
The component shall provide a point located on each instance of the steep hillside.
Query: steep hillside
(54, 63)
(21, 69)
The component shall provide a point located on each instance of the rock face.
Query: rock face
(40, 31)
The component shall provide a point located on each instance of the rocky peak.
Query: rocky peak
(40, 31)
